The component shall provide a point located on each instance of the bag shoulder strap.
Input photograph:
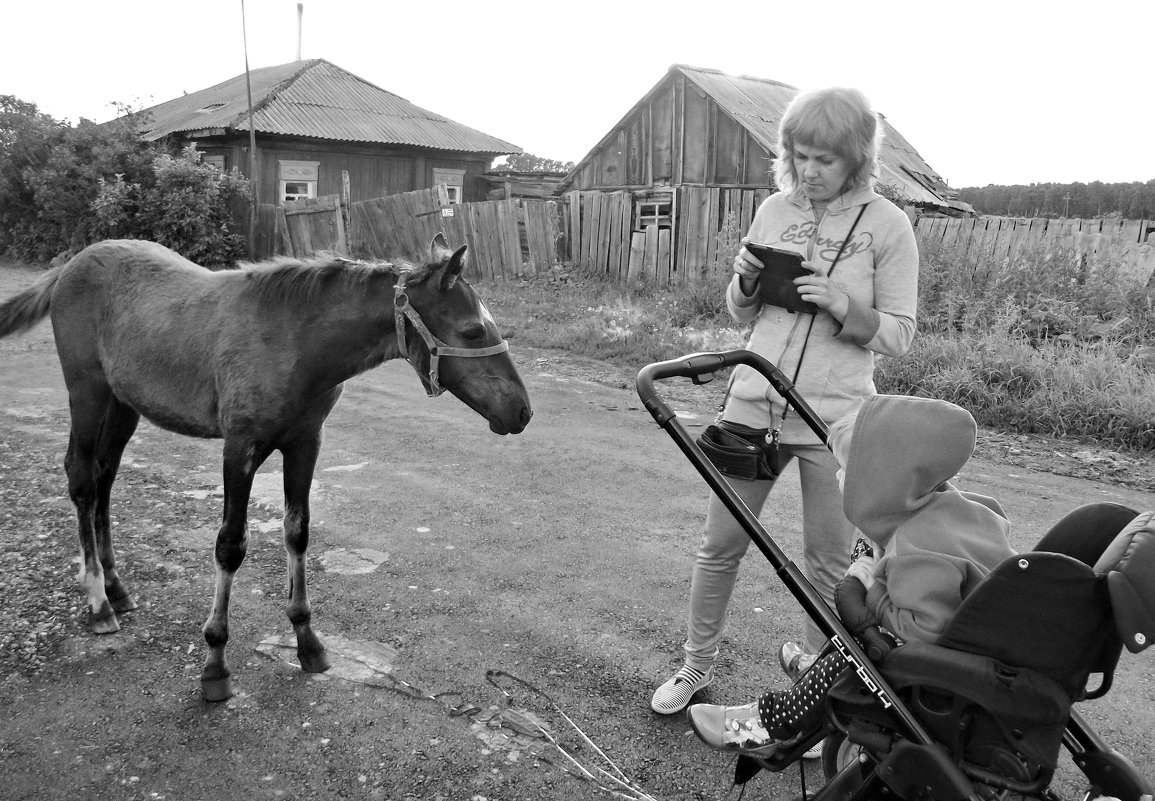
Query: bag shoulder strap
(810, 327)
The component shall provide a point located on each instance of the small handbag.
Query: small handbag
(740, 451)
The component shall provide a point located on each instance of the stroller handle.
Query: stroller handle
(700, 368)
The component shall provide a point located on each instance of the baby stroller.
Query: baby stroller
(984, 712)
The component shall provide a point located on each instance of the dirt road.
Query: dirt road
(513, 578)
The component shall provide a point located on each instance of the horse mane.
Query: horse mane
(285, 279)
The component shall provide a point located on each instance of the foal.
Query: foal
(256, 357)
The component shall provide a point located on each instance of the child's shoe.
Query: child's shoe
(794, 660)
(733, 728)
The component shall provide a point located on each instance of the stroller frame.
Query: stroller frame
(917, 767)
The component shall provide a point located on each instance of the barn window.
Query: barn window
(216, 161)
(453, 180)
(297, 179)
(656, 209)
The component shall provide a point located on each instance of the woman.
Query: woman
(827, 211)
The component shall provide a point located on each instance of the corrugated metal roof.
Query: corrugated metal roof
(757, 104)
(319, 100)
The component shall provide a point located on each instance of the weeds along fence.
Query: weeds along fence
(1125, 242)
(506, 238)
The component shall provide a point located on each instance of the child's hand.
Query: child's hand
(863, 570)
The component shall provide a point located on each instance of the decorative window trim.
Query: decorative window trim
(297, 180)
(454, 181)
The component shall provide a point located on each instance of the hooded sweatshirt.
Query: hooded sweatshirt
(937, 542)
(878, 271)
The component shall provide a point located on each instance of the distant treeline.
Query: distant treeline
(1133, 201)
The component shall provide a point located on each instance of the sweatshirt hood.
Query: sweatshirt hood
(844, 202)
(902, 452)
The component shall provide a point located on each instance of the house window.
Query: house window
(216, 161)
(453, 180)
(298, 179)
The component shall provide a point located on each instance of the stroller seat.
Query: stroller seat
(996, 689)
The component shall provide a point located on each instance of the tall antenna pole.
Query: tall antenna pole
(300, 27)
(254, 180)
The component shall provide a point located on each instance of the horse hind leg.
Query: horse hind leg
(300, 460)
(92, 407)
(119, 424)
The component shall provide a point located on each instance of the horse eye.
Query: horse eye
(474, 332)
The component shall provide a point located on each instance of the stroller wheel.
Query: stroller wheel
(837, 753)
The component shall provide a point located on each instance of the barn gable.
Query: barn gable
(702, 127)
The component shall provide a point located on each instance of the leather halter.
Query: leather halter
(437, 348)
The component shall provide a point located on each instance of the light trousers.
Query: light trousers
(827, 541)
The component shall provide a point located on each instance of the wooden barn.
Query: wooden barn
(665, 191)
(322, 131)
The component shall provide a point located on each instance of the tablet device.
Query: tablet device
(776, 281)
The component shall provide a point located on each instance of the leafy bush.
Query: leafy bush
(50, 172)
(63, 187)
(182, 203)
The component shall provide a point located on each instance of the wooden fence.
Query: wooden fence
(699, 229)
(506, 238)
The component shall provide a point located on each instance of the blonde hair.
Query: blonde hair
(837, 119)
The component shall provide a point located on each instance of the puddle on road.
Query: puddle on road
(345, 468)
(514, 731)
(353, 660)
(352, 561)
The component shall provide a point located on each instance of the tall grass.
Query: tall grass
(1042, 343)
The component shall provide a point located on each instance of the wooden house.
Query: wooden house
(321, 130)
(689, 164)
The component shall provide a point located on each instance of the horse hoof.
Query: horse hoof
(104, 621)
(217, 690)
(122, 603)
(314, 663)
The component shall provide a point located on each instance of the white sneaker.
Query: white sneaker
(814, 751)
(676, 692)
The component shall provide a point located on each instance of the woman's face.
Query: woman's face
(821, 173)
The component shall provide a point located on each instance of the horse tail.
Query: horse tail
(29, 307)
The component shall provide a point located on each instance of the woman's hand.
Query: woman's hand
(817, 289)
(747, 267)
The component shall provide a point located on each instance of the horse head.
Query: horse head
(454, 343)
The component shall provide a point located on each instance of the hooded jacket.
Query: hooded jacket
(937, 542)
(878, 271)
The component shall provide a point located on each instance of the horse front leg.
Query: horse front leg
(241, 460)
(300, 462)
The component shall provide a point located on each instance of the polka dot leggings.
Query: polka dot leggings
(800, 709)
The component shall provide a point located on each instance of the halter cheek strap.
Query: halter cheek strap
(404, 311)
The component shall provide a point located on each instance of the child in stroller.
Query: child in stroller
(897, 455)
(989, 652)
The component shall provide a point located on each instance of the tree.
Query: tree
(527, 162)
(50, 173)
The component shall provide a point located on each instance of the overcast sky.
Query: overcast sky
(987, 92)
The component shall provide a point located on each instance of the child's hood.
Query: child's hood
(903, 450)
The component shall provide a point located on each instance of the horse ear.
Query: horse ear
(453, 270)
(439, 250)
